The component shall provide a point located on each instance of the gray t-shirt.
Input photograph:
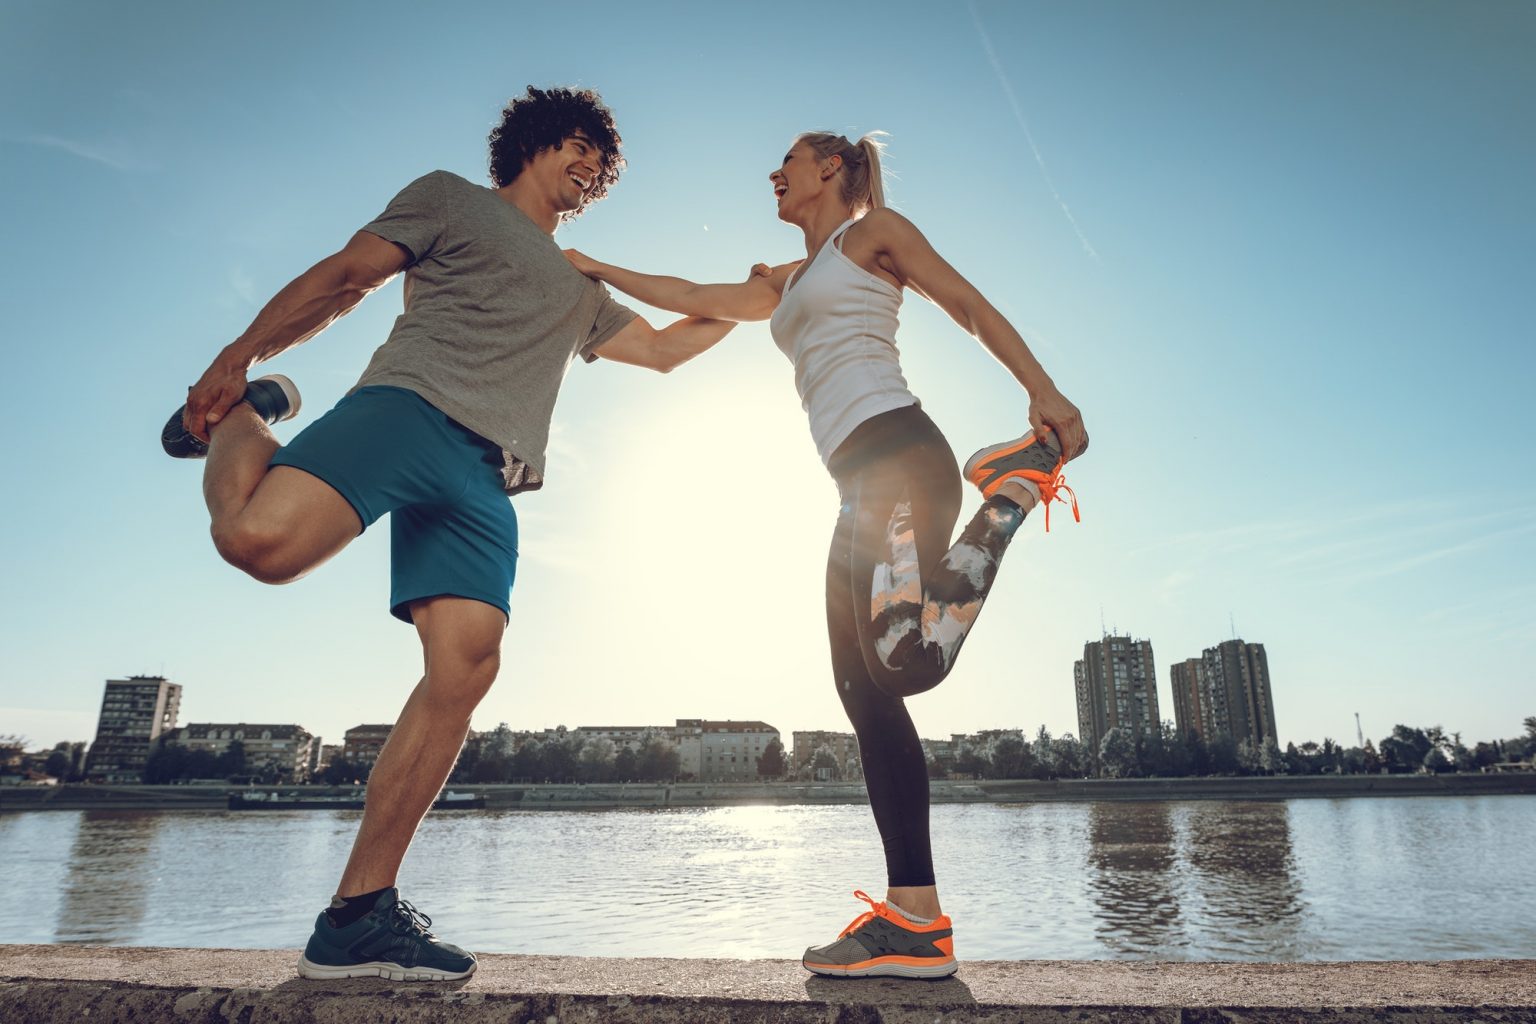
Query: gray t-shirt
(494, 315)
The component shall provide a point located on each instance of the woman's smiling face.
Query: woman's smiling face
(797, 181)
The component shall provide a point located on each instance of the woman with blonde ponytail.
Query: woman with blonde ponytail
(900, 597)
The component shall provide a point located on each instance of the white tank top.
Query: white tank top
(837, 323)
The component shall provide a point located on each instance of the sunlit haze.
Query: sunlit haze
(1274, 253)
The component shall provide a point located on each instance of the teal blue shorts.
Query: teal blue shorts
(453, 531)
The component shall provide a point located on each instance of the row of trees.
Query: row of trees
(1126, 754)
(498, 757)
(172, 762)
(66, 761)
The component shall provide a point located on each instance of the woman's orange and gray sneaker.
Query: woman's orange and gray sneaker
(1036, 461)
(883, 943)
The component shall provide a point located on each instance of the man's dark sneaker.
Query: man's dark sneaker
(882, 942)
(391, 941)
(1034, 461)
(274, 397)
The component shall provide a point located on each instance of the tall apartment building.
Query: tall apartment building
(843, 746)
(1191, 701)
(290, 748)
(134, 713)
(361, 744)
(1116, 688)
(1237, 689)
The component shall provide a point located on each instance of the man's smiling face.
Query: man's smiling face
(569, 171)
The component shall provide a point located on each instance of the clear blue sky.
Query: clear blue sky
(1274, 252)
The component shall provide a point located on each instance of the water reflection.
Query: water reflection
(1132, 879)
(111, 867)
(1243, 872)
(1307, 880)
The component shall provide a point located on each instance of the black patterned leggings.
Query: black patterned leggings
(900, 601)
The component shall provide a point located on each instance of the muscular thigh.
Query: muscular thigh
(311, 516)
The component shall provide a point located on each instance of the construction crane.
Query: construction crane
(1359, 736)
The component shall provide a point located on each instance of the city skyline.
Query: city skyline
(1229, 684)
(1277, 255)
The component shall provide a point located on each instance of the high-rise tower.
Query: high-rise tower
(134, 712)
(1116, 688)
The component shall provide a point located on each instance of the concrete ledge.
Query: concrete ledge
(44, 984)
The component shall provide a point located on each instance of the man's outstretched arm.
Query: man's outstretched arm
(640, 344)
(308, 305)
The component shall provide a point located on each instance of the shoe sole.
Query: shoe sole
(178, 444)
(975, 471)
(290, 392)
(1007, 447)
(884, 967)
(377, 969)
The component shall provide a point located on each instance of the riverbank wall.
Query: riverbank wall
(113, 985)
(725, 794)
(589, 797)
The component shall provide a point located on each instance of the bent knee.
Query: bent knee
(458, 685)
(258, 552)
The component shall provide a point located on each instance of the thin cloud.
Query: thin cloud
(1405, 564)
(1018, 114)
(85, 151)
(244, 287)
(1302, 528)
(1371, 544)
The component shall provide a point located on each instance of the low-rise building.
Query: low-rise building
(361, 744)
(985, 742)
(623, 737)
(289, 749)
(723, 751)
(942, 751)
(325, 754)
(843, 748)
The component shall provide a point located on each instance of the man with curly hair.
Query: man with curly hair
(451, 416)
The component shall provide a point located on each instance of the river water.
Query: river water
(1352, 879)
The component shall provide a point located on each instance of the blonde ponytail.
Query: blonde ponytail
(872, 148)
(863, 187)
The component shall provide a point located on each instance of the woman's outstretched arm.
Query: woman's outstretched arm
(754, 299)
(902, 250)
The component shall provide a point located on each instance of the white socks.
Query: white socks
(910, 917)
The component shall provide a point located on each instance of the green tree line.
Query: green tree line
(1165, 753)
(497, 756)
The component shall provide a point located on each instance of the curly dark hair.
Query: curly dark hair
(544, 118)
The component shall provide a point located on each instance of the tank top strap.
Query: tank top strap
(799, 272)
(837, 236)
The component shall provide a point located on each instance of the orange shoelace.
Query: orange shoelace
(876, 909)
(1049, 488)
